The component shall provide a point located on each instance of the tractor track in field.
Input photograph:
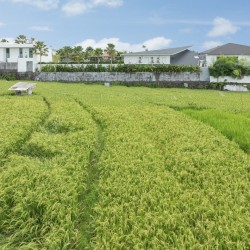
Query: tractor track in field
(19, 143)
(89, 197)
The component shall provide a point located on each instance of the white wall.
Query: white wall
(247, 58)
(22, 64)
(2, 55)
(146, 59)
(14, 54)
(244, 80)
(210, 60)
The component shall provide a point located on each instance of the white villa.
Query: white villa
(176, 56)
(21, 56)
(208, 57)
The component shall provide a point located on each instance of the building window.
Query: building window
(7, 52)
(152, 59)
(139, 59)
(20, 53)
(158, 60)
(30, 53)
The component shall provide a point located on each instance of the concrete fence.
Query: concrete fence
(244, 80)
(118, 77)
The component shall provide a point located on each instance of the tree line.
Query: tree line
(75, 54)
(78, 54)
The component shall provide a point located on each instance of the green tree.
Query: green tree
(89, 51)
(4, 40)
(110, 50)
(229, 66)
(21, 39)
(77, 54)
(65, 53)
(41, 49)
(98, 52)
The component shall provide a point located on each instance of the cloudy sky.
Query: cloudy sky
(129, 24)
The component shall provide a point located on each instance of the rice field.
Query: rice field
(94, 167)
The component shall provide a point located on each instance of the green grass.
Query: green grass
(235, 127)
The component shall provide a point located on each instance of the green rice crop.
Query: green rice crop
(127, 168)
(41, 182)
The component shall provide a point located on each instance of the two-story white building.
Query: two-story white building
(176, 56)
(22, 55)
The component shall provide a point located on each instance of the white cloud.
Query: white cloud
(77, 7)
(211, 44)
(222, 27)
(41, 4)
(151, 44)
(109, 3)
(2, 24)
(73, 8)
(41, 28)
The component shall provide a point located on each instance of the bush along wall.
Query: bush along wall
(125, 68)
(229, 66)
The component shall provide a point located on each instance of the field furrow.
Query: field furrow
(89, 196)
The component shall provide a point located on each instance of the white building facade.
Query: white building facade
(176, 56)
(209, 57)
(22, 54)
(145, 59)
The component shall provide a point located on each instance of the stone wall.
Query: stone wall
(17, 75)
(145, 77)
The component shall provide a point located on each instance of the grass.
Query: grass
(234, 126)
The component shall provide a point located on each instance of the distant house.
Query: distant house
(20, 56)
(208, 57)
(176, 56)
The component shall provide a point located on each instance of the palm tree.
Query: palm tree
(77, 54)
(98, 52)
(40, 48)
(21, 39)
(89, 52)
(65, 53)
(110, 50)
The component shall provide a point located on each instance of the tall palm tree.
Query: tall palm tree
(77, 54)
(21, 39)
(41, 49)
(65, 53)
(89, 51)
(98, 52)
(110, 50)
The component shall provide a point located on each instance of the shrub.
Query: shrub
(229, 66)
(127, 68)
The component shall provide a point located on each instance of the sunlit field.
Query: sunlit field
(95, 167)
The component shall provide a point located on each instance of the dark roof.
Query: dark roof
(229, 49)
(168, 52)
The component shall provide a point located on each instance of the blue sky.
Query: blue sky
(128, 24)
